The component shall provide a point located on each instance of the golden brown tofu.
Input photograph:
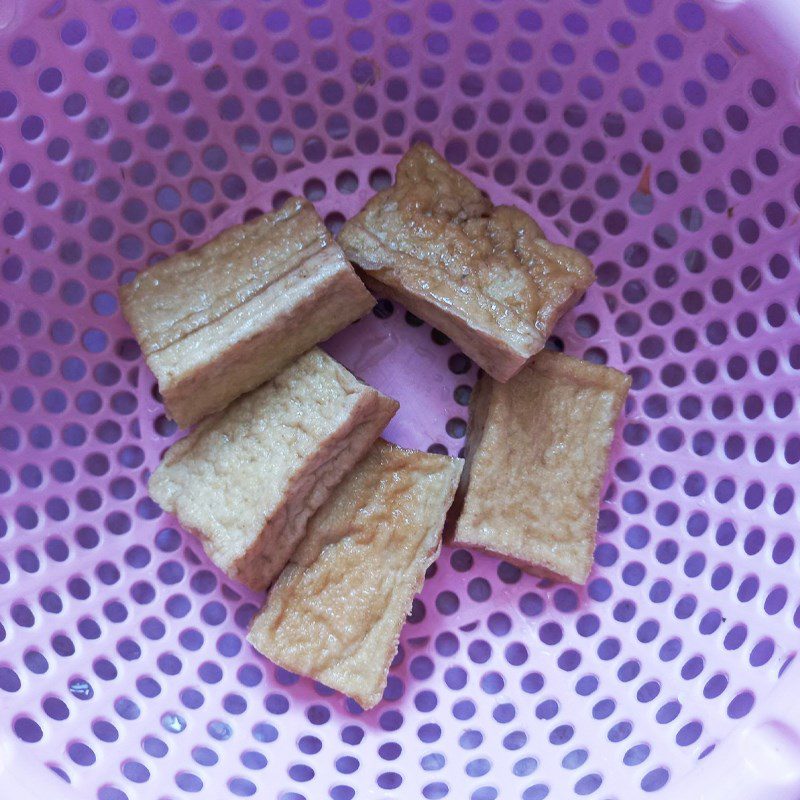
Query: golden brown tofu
(536, 457)
(247, 479)
(216, 322)
(485, 275)
(336, 611)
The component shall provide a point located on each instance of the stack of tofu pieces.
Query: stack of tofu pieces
(284, 478)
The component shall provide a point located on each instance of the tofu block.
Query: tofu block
(336, 611)
(247, 480)
(485, 275)
(537, 455)
(216, 322)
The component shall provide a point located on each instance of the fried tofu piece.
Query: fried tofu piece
(485, 275)
(247, 480)
(216, 322)
(336, 611)
(537, 455)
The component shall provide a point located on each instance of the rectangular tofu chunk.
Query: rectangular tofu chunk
(216, 322)
(247, 480)
(485, 275)
(336, 611)
(536, 459)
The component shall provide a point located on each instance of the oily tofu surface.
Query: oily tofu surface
(247, 479)
(483, 274)
(536, 460)
(218, 321)
(336, 611)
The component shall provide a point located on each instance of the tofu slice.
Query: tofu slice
(216, 322)
(336, 611)
(247, 480)
(485, 275)
(537, 455)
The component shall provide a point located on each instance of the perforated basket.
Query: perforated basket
(662, 139)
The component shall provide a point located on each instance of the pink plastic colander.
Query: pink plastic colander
(662, 138)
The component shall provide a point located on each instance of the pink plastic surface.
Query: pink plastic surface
(661, 138)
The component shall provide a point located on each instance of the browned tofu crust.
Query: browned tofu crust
(216, 322)
(536, 459)
(483, 274)
(336, 611)
(247, 479)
